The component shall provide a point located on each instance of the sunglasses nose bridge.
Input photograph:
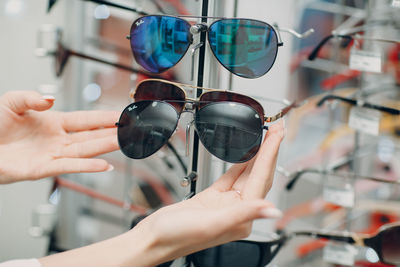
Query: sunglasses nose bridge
(188, 126)
(198, 28)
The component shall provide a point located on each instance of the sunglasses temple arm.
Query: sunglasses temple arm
(296, 176)
(182, 164)
(335, 166)
(350, 239)
(279, 244)
(117, 65)
(295, 33)
(331, 97)
(188, 138)
(108, 3)
(282, 113)
(392, 111)
(315, 51)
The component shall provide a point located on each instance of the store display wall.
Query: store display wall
(318, 143)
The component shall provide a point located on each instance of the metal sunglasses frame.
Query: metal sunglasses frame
(203, 27)
(360, 103)
(265, 119)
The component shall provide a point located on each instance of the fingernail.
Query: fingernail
(48, 97)
(110, 168)
(271, 213)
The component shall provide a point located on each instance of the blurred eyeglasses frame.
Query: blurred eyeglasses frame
(385, 242)
(349, 38)
(360, 103)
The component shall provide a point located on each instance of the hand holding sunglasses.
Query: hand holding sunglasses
(245, 47)
(221, 213)
(228, 124)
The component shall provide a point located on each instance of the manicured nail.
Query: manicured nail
(271, 213)
(48, 97)
(110, 168)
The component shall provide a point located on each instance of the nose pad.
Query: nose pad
(193, 51)
(188, 137)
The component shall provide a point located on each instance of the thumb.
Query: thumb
(21, 101)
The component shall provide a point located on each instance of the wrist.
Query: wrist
(147, 246)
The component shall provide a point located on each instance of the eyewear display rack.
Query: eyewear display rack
(200, 161)
(373, 83)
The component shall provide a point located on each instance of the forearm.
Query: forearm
(130, 249)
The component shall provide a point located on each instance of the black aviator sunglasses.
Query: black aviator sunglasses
(228, 124)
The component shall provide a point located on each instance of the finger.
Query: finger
(87, 120)
(241, 181)
(244, 177)
(93, 134)
(262, 172)
(73, 165)
(226, 181)
(21, 101)
(247, 211)
(91, 148)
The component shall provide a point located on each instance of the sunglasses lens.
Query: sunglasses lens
(144, 127)
(245, 47)
(159, 42)
(157, 90)
(391, 245)
(230, 131)
(233, 254)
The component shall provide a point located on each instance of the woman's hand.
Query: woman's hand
(37, 143)
(221, 213)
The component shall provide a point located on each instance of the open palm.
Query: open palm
(224, 211)
(37, 143)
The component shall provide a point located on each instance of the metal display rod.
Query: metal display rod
(200, 80)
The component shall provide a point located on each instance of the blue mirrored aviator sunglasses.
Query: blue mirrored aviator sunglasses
(245, 47)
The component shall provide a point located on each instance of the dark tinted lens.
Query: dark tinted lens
(157, 90)
(391, 245)
(234, 254)
(145, 126)
(159, 42)
(245, 47)
(230, 131)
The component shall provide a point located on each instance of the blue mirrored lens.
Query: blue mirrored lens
(159, 42)
(245, 47)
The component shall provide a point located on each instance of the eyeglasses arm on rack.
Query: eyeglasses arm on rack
(297, 175)
(316, 50)
(350, 238)
(354, 102)
(108, 3)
